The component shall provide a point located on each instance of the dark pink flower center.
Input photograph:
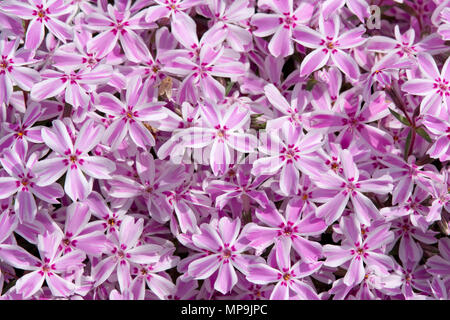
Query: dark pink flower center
(129, 114)
(201, 70)
(5, 65)
(295, 118)
(360, 251)
(221, 132)
(329, 45)
(41, 13)
(47, 269)
(442, 87)
(287, 231)
(143, 271)
(226, 253)
(73, 158)
(290, 153)
(288, 20)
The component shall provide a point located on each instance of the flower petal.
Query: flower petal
(29, 284)
(76, 185)
(313, 61)
(355, 273)
(226, 279)
(204, 267)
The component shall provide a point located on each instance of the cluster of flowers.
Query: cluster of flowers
(221, 149)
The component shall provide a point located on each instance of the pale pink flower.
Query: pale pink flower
(40, 13)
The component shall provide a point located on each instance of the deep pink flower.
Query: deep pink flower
(352, 121)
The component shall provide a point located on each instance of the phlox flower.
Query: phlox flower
(115, 25)
(439, 264)
(288, 277)
(444, 28)
(405, 174)
(41, 14)
(211, 62)
(76, 85)
(229, 18)
(48, 268)
(359, 7)
(224, 130)
(293, 228)
(352, 121)
(434, 87)
(23, 182)
(359, 251)
(441, 128)
(243, 190)
(282, 23)
(80, 234)
(13, 70)
(156, 279)
(72, 157)
(293, 112)
(329, 44)
(291, 152)
(129, 116)
(224, 252)
(18, 135)
(124, 252)
(153, 182)
(351, 187)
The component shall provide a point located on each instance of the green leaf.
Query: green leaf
(421, 132)
(400, 118)
(408, 144)
(310, 84)
(228, 89)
